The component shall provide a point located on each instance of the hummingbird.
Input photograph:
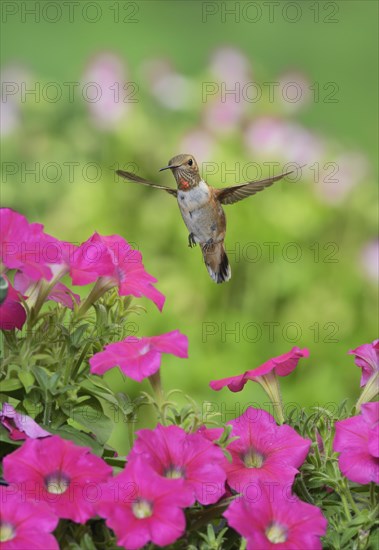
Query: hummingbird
(201, 207)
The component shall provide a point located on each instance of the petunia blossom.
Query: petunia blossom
(367, 359)
(356, 440)
(25, 524)
(139, 358)
(266, 375)
(20, 426)
(282, 365)
(275, 519)
(175, 454)
(60, 473)
(263, 450)
(117, 264)
(12, 312)
(141, 506)
(59, 292)
(25, 246)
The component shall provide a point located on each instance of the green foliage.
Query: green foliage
(46, 375)
(46, 372)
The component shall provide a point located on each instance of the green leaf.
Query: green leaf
(4, 437)
(80, 438)
(77, 335)
(42, 377)
(98, 389)
(93, 418)
(4, 286)
(27, 380)
(32, 407)
(12, 384)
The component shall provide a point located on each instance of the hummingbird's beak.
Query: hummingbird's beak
(167, 167)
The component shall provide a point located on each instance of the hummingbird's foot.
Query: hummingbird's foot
(191, 240)
(208, 244)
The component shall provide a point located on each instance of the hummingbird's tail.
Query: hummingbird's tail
(217, 262)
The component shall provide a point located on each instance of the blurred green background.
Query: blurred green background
(152, 62)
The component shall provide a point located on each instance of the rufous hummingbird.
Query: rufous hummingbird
(201, 208)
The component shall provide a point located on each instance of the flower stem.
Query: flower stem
(370, 391)
(156, 384)
(270, 384)
(101, 286)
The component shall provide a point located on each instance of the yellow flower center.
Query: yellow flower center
(174, 472)
(57, 483)
(276, 533)
(142, 509)
(253, 459)
(6, 532)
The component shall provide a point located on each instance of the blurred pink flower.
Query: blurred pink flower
(294, 91)
(175, 454)
(25, 524)
(106, 91)
(367, 359)
(263, 450)
(199, 142)
(13, 78)
(223, 114)
(369, 260)
(141, 506)
(117, 263)
(171, 89)
(230, 65)
(272, 138)
(9, 116)
(282, 365)
(12, 312)
(60, 473)
(20, 426)
(139, 358)
(277, 519)
(339, 176)
(356, 440)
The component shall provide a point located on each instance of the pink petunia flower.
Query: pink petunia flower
(275, 519)
(141, 506)
(26, 247)
(370, 412)
(266, 376)
(20, 426)
(60, 473)
(263, 450)
(117, 264)
(59, 292)
(12, 312)
(367, 359)
(356, 440)
(282, 365)
(25, 524)
(175, 454)
(139, 358)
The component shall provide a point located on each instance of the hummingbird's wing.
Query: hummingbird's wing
(133, 177)
(230, 195)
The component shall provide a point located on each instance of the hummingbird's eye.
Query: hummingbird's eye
(190, 162)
